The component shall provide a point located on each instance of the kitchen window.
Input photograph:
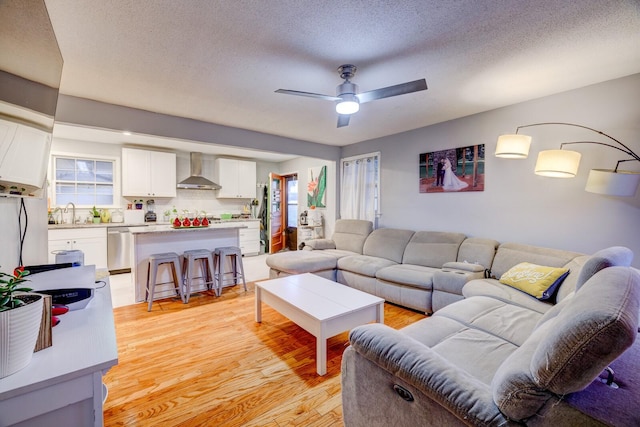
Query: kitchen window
(83, 181)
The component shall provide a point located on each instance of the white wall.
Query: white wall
(517, 205)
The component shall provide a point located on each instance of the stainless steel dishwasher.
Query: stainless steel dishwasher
(118, 249)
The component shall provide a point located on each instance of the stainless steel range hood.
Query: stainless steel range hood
(196, 180)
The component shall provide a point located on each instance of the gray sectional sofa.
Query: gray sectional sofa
(397, 265)
(490, 354)
(497, 358)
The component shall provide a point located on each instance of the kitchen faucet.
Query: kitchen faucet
(73, 212)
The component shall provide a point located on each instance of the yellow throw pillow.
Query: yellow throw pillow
(536, 280)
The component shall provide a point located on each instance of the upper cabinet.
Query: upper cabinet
(148, 173)
(24, 155)
(237, 178)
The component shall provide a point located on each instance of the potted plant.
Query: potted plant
(96, 215)
(138, 204)
(20, 317)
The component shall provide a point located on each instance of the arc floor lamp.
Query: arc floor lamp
(563, 163)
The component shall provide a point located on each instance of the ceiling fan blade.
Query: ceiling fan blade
(309, 94)
(389, 91)
(343, 120)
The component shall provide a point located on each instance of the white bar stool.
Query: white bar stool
(155, 261)
(189, 270)
(237, 269)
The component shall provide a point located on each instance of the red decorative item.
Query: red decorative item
(196, 222)
(205, 222)
(58, 310)
(186, 222)
(176, 222)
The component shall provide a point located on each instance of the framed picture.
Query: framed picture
(316, 187)
(452, 170)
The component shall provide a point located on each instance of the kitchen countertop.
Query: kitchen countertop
(167, 228)
(145, 224)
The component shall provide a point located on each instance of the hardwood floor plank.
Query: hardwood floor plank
(208, 363)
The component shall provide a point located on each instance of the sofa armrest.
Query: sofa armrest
(452, 388)
(319, 244)
(453, 280)
(463, 266)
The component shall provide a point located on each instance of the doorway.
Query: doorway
(283, 212)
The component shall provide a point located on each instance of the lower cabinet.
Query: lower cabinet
(91, 241)
(250, 238)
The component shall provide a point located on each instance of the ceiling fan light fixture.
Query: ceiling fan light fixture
(348, 105)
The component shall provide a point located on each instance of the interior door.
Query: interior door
(276, 212)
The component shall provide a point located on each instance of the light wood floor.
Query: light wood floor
(208, 363)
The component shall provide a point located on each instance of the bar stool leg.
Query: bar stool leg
(177, 278)
(239, 261)
(150, 284)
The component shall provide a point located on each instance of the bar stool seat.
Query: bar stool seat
(237, 269)
(155, 261)
(189, 266)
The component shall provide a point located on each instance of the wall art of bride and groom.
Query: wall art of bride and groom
(452, 170)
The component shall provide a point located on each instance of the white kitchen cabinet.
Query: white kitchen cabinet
(24, 156)
(92, 241)
(236, 177)
(250, 238)
(148, 173)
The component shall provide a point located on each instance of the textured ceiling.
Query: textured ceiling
(221, 61)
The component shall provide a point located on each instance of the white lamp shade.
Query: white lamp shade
(606, 181)
(558, 163)
(348, 105)
(513, 146)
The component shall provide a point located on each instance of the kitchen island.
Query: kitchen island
(165, 238)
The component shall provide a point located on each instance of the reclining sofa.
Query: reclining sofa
(490, 354)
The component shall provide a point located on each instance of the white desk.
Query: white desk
(63, 383)
(321, 307)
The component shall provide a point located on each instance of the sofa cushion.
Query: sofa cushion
(494, 289)
(363, 264)
(297, 262)
(510, 254)
(409, 275)
(497, 318)
(351, 234)
(568, 351)
(538, 281)
(432, 248)
(387, 243)
(477, 250)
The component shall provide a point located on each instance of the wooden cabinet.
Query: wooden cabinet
(148, 173)
(236, 177)
(91, 241)
(250, 238)
(24, 156)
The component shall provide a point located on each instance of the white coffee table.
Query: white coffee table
(320, 306)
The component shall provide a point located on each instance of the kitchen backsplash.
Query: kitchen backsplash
(196, 200)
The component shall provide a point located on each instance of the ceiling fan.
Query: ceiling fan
(348, 99)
